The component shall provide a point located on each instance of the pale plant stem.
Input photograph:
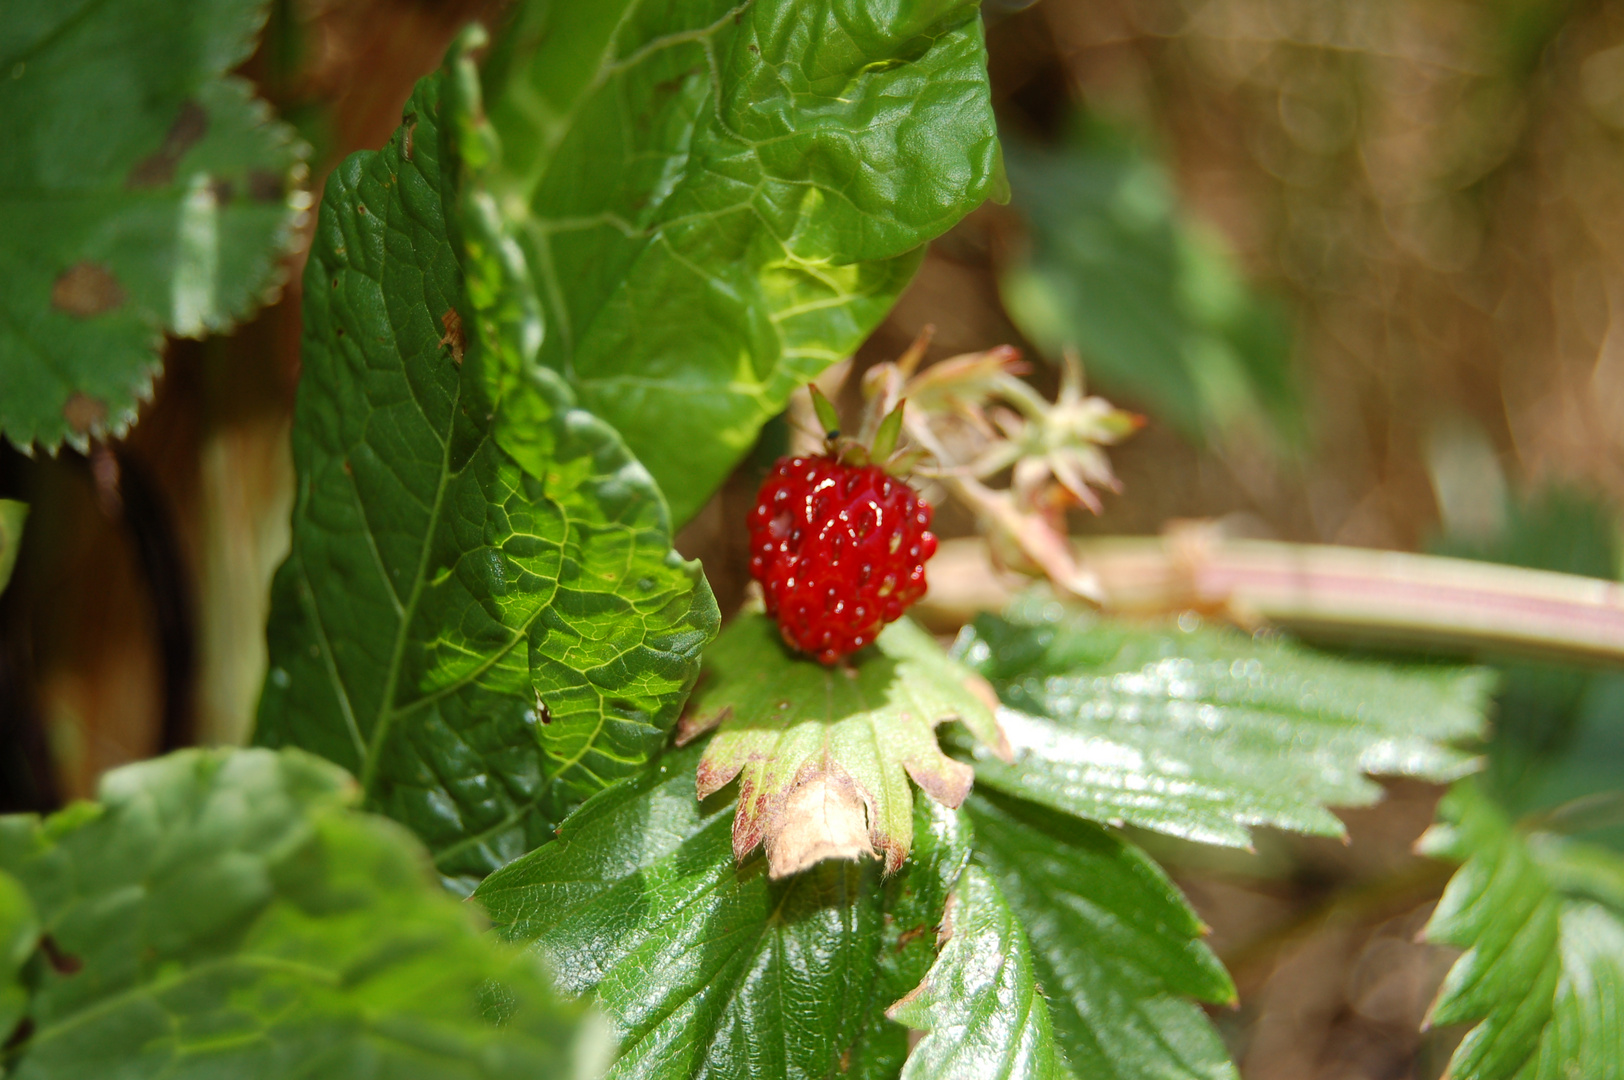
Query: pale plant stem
(1349, 594)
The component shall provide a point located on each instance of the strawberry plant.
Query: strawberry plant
(522, 798)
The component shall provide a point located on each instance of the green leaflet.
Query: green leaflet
(1153, 302)
(1205, 732)
(1542, 921)
(482, 616)
(19, 937)
(793, 730)
(720, 198)
(224, 914)
(707, 967)
(980, 1003)
(144, 192)
(13, 516)
(1115, 946)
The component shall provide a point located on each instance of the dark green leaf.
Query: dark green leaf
(1115, 946)
(707, 967)
(144, 192)
(1202, 733)
(224, 914)
(986, 1017)
(482, 615)
(719, 199)
(1153, 302)
(847, 739)
(1542, 922)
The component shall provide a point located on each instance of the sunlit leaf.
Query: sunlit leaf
(720, 199)
(980, 1004)
(824, 754)
(1115, 946)
(225, 914)
(144, 192)
(708, 967)
(482, 616)
(1204, 732)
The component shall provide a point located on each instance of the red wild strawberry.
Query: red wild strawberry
(839, 550)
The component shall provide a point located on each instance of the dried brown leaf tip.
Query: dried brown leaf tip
(824, 756)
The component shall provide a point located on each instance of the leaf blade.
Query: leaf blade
(1539, 919)
(787, 725)
(782, 163)
(1204, 733)
(705, 966)
(1115, 945)
(482, 615)
(146, 193)
(224, 912)
(980, 1003)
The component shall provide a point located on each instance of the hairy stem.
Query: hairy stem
(1347, 594)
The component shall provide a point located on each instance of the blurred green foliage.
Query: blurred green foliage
(1150, 298)
(1558, 734)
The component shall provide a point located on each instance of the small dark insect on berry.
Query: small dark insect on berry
(840, 551)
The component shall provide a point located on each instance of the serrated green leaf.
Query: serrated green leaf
(1205, 732)
(1152, 301)
(1542, 921)
(224, 914)
(13, 516)
(845, 738)
(481, 616)
(980, 1004)
(719, 199)
(1115, 946)
(144, 192)
(707, 967)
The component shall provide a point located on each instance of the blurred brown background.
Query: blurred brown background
(1428, 192)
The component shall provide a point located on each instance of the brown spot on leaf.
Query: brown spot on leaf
(453, 333)
(908, 937)
(158, 168)
(87, 289)
(84, 413)
(264, 185)
(222, 190)
(62, 963)
(408, 125)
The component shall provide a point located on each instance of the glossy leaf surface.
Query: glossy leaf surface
(225, 914)
(1115, 945)
(980, 1004)
(720, 199)
(1542, 921)
(144, 192)
(707, 967)
(845, 737)
(1202, 733)
(482, 616)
